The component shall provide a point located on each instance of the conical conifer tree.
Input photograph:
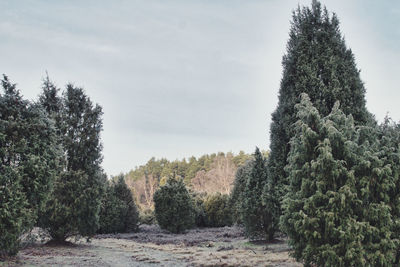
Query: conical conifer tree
(28, 157)
(79, 125)
(236, 197)
(337, 211)
(131, 217)
(317, 62)
(257, 221)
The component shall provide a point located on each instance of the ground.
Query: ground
(151, 246)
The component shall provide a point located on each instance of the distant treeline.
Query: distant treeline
(210, 173)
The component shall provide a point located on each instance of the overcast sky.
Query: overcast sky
(182, 78)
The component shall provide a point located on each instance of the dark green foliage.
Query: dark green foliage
(217, 210)
(200, 219)
(174, 207)
(64, 214)
(49, 99)
(13, 211)
(40, 160)
(317, 62)
(256, 219)
(236, 197)
(79, 125)
(28, 157)
(131, 217)
(147, 217)
(118, 210)
(337, 211)
(112, 210)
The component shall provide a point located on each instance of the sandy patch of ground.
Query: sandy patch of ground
(153, 247)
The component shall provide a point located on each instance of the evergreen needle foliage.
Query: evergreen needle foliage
(119, 213)
(28, 157)
(317, 62)
(338, 211)
(174, 207)
(217, 210)
(256, 219)
(236, 196)
(74, 204)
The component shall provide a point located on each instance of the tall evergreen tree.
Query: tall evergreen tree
(28, 157)
(317, 62)
(79, 125)
(337, 211)
(257, 221)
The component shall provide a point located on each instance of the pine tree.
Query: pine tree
(317, 62)
(173, 206)
(257, 221)
(337, 212)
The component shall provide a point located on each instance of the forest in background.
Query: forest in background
(210, 173)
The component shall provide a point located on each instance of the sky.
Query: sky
(182, 78)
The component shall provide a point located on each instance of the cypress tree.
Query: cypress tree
(317, 62)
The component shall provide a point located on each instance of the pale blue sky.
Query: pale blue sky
(182, 78)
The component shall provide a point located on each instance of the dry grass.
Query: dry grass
(153, 247)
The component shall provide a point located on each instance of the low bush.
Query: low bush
(217, 210)
(174, 208)
(200, 219)
(147, 216)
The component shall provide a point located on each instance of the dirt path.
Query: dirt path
(153, 247)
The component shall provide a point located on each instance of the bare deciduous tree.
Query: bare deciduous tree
(219, 179)
(144, 190)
